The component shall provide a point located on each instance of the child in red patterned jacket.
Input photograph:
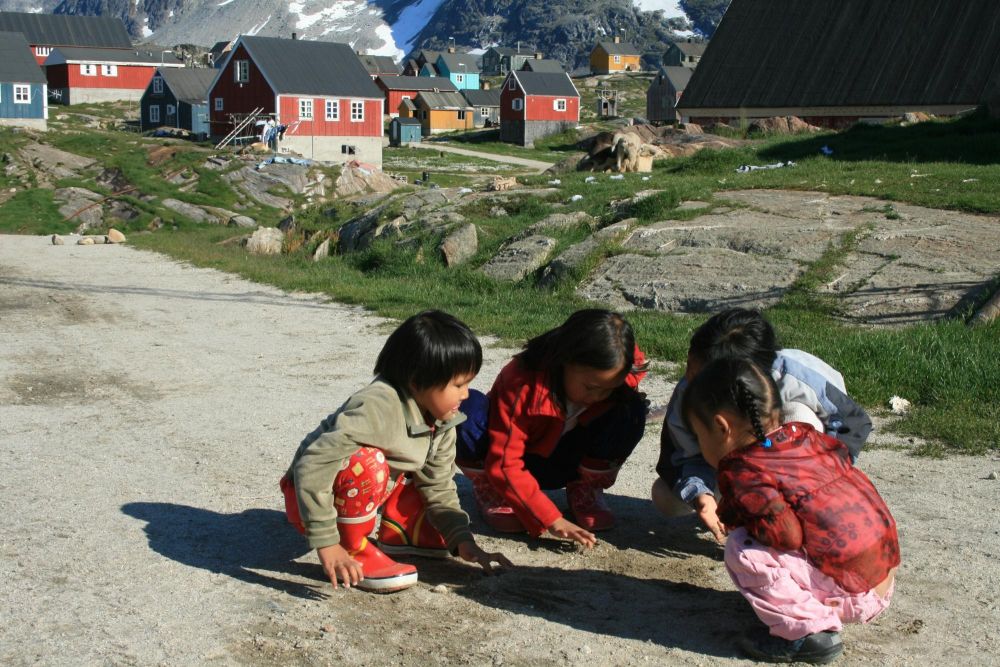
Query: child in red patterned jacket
(811, 542)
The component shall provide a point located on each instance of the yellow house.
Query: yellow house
(442, 112)
(616, 56)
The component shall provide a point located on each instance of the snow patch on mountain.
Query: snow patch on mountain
(411, 21)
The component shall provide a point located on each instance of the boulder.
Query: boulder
(575, 255)
(57, 240)
(115, 236)
(322, 251)
(501, 183)
(80, 206)
(692, 128)
(355, 180)
(914, 117)
(520, 258)
(195, 213)
(266, 241)
(563, 221)
(242, 221)
(460, 245)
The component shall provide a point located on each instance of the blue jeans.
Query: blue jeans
(611, 438)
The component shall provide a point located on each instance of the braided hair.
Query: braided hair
(732, 384)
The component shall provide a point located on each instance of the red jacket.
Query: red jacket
(526, 418)
(803, 493)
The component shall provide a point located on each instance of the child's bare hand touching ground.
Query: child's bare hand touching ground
(471, 552)
(338, 564)
(570, 531)
(707, 509)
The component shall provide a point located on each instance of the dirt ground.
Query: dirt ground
(147, 410)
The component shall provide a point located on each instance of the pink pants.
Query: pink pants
(790, 595)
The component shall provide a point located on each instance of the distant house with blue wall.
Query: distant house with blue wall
(177, 98)
(461, 68)
(24, 99)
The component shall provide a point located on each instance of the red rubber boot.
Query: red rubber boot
(586, 495)
(495, 511)
(382, 574)
(405, 528)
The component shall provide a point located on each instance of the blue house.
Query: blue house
(23, 90)
(461, 68)
(404, 131)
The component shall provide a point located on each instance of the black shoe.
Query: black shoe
(816, 649)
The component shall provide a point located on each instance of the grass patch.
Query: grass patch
(33, 212)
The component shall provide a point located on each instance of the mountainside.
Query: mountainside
(562, 29)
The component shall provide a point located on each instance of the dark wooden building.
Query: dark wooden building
(664, 92)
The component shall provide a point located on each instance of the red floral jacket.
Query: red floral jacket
(803, 492)
(526, 418)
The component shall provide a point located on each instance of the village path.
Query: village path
(538, 165)
(148, 408)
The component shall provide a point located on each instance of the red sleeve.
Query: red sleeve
(752, 499)
(508, 433)
(639, 366)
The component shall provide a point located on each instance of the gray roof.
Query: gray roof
(849, 54)
(546, 83)
(679, 77)
(432, 68)
(138, 56)
(297, 66)
(443, 100)
(511, 51)
(418, 83)
(406, 121)
(379, 64)
(189, 84)
(17, 65)
(482, 98)
(428, 56)
(454, 61)
(619, 49)
(691, 48)
(65, 30)
(543, 65)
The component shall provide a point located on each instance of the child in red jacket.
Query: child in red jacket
(564, 413)
(811, 542)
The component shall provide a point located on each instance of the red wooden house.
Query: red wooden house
(46, 32)
(399, 88)
(80, 74)
(536, 104)
(319, 91)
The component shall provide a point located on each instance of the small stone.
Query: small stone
(57, 240)
(899, 405)
(115, 236)
(440, 588)
(328, 628)
(86, 240)
(993, 475)
(586, 650)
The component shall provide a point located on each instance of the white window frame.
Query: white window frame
(22, 94)
(157, 85)
(517, 104)
(154, 113)
(559, 104)
(512, 84)
(357, 111)
(241, 71)
(306, 108)
(109, 70)
(333, 110)
(43, 50)
(87, 69)
(618, 60)
(219, 103)
(485, 111)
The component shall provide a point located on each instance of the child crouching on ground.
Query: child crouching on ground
(391, 444)
(811, 542)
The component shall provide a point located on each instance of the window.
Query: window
(485, 111)
(511, 84)
(333, 109)
(461, 115)
(109, 70)
(241, 71)
(154, 114)
(459, 78)
(559, 105)
(305, 109)
(218, 104)
(357, 111)
(43, 50)
(517, 104)
(171, 110)
(88, 70)
(22, 94)
(405, 97)
(348, 150)
(618, 59)
(157, 86)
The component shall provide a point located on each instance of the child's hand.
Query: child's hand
(338, 564)
(570, 531)
(470, 551)
(706, 507)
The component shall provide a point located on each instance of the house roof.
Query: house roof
(482, 98)
(543, 65)
(510, 51)
(454, 61)
(849, 54)
(189, 84)
(66, 30)
(408, 103)
(428, 56)
(679, 77)
(379, 64)
(545, 83)
(691, 48)
(17, 65)
(619, 48)
(138, 56)
(443, 100)
(406, 121)
(297, 66)
(432, 68)
(418, 83)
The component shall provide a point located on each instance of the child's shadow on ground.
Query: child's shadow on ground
(670, 614)
(237, 545)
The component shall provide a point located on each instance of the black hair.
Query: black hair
(592, 337)
(732, 384)
(738, 333)
(428, 350)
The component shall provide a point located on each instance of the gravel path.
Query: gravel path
(147, 409)
(537, 165)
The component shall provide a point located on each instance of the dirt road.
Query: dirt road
(147, 410)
